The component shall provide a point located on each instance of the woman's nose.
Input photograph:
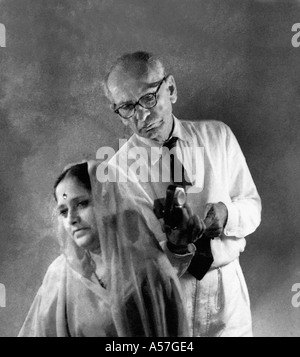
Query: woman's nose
(73, 217)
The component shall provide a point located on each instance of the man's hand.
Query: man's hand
(216, 215)
(190, 229)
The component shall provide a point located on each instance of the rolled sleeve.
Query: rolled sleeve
(244, 203)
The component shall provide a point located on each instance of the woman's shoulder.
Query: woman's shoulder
(55, 271)
(57, 265)
(42, 317)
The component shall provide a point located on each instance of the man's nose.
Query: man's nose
(142, 113)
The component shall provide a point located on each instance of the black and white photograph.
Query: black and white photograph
(150, 170)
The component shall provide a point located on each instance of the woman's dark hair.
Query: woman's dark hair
(79, 172)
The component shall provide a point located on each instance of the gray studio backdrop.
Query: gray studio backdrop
(233, 60)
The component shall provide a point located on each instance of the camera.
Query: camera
(169, 208)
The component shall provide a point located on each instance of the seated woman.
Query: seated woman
(112, 278)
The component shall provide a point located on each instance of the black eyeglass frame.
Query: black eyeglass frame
(138, 102)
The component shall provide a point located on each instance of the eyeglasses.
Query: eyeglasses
(147, 101)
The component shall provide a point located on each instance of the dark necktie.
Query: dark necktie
(203, 258)
(175, 164)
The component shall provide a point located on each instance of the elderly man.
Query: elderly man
(218, 185)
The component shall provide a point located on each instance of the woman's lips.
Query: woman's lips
(80, 231)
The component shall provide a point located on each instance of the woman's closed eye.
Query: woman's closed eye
(63, 212)
(83, 203)
(76, 204)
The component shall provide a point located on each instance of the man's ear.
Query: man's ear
(172, 88)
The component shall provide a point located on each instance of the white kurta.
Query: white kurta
(218, 305)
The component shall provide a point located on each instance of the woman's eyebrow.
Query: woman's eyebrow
(62, 205)
(74, 199)
(58, 208)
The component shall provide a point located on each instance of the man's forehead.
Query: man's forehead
(118, 77)
(121, 82)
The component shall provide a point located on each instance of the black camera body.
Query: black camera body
(169, 208)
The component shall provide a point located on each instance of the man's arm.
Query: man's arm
(238, 216)
(229, 221)
(244, 207)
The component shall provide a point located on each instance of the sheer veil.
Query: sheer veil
(144, 292)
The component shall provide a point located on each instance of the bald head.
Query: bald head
(138, 86)
(133, 65)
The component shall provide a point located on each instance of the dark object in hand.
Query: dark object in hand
(169, 208)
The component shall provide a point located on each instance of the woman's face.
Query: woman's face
(75, 208)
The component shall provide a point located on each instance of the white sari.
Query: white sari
(138, 295)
